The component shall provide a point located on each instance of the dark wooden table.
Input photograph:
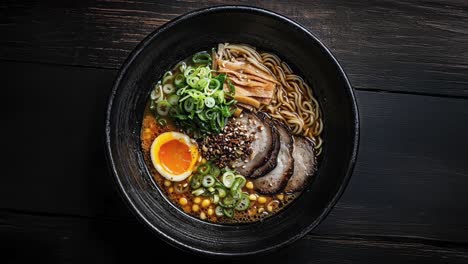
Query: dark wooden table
(407, 201)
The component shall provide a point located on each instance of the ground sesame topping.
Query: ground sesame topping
(234, 143)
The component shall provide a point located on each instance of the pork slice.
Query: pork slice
(272, 161)
(262, 145)
(305, 164)
(275, 180)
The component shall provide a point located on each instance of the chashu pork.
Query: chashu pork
(263, 144)
(305, 164)
(275, 180)
(270, 164)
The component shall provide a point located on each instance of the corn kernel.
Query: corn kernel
(280, 196)
(187, 208)
(261, 210)
(205, 203)
(146, 136)
(171, 190)
(195, 207)
(252, 197)
(210, 211)
(272, 205)
(202, 216)
(167, 183)
(183, 201)
(197, 200)
(203, 161)
(262, 199)
(249, 185)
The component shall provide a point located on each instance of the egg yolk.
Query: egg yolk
(175, 156)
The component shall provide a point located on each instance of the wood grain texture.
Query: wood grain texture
(55, 239)
(416, 46)
(410, 180)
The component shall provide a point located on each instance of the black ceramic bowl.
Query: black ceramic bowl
(201, 30)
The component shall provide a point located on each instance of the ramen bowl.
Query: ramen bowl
(200, 30)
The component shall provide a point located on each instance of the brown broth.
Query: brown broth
(257, 211)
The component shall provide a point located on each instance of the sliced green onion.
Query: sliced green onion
(173, 99)
(243, 203)
(239, 182)
(232, 88)
(201, 58)
(219, 211)
(195, 182)
(189, 71)
(162, 122)
(215, 171)
(188, 105)
(179, 80)
(229, 212)
(166, 77)
(181, 187)
(153, 105)
(215, 199)
(156, 93)
(198, 192)
(228, 179)
(208, 181)
(210, 114)
(210, 102)
(168, 88)
(219, 96)
(163, 108)
(204, 168)
(222, 192)
(228, 202)
(225, 112)
(192, 81)
(182, 66)
(203, 83)
(214, 84)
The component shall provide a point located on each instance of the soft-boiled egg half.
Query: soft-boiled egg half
(174, 155)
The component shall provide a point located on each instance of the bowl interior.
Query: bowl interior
(202, 30)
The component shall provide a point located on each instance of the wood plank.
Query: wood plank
(417, 46)
(410, 178)
(411, 175)
(70, 240)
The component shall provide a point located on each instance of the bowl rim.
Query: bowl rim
(186, 16)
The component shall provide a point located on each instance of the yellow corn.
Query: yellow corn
(280, 196)
(197, 200)
(171, 190)
(261, 199)
(261, 210)
(253, 197)
(195, 207)
(272, 205)
(183, 201)
(249, 185)
(202, 216)
(167, 183)
(210, 211)
(205, 203)
(270, 208)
